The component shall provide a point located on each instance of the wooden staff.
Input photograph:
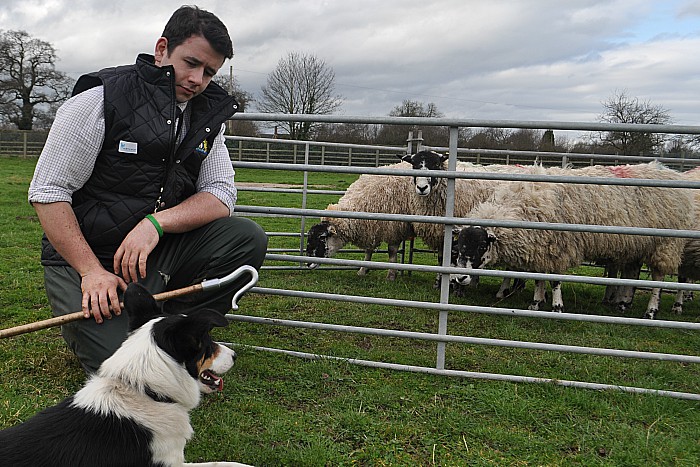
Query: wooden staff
(203, 286)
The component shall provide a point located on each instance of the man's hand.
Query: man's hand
(100, 297)
(98, 285)
(131, 256)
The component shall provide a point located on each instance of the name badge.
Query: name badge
(128, 147)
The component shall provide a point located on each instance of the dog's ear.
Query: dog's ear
(208, 318)
(140, 305)
(185, 334)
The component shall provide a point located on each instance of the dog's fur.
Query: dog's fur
(135, 410)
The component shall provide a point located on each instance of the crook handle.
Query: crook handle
(210, 284)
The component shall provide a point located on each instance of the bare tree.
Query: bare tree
(409, 108)
(488, 138)
(355, 133)
(300, 84)
(30, 86)
(396, 134)
(245, 99)
(621, 108)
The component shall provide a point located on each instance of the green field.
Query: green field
(279, 410)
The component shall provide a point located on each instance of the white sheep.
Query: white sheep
(689, 269)
(550, 251)
(621, 296)
(387, 194)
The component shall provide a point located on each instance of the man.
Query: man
(135, 184)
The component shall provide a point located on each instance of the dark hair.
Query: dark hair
(190, 21)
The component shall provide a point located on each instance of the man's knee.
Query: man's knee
(245, 239)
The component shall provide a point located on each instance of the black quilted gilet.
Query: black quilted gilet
(139, 169)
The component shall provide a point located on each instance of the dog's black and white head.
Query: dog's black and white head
(425, 160)
(475, 247)
(172, 357)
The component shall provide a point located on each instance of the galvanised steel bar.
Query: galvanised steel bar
(514, 312)
(290, 190)
(446, 338)
(304, 196)
(447, 247)
(476, 175)
(487, 272)
(569, 155)
(294, 212)
(479, 375)
(457, 122)
(317, 143)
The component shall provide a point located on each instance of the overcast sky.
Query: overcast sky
(490, 59)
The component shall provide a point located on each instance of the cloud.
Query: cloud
(503, 59)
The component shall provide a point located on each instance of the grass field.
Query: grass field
(279, 410)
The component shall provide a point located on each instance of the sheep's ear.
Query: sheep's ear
(443, 157)
(406, 158)
(490, 236)
(331, 230)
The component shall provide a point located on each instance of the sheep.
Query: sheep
(369, 193)
(548, 251)
(621, 296)
(689, 269)
(430, 197)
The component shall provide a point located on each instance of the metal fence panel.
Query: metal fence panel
(444, 307)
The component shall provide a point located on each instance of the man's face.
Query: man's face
(195, 63)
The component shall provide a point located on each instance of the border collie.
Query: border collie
(135, 410)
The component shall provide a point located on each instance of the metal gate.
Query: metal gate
(444, 307)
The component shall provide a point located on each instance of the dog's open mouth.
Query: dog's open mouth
(212, 381)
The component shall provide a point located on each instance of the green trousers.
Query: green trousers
(179, 260)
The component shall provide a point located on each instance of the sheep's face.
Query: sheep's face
(322, 241)
(475, 247)
(424, 161)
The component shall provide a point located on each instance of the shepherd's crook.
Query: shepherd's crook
(210, 284)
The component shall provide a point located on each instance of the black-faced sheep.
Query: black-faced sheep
(430, 197)
(386, 194)
(549, 251)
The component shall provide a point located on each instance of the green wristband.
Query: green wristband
(155, 224)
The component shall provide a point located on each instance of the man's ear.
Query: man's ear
(161, 50)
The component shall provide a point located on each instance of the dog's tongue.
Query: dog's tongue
(211, 380)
